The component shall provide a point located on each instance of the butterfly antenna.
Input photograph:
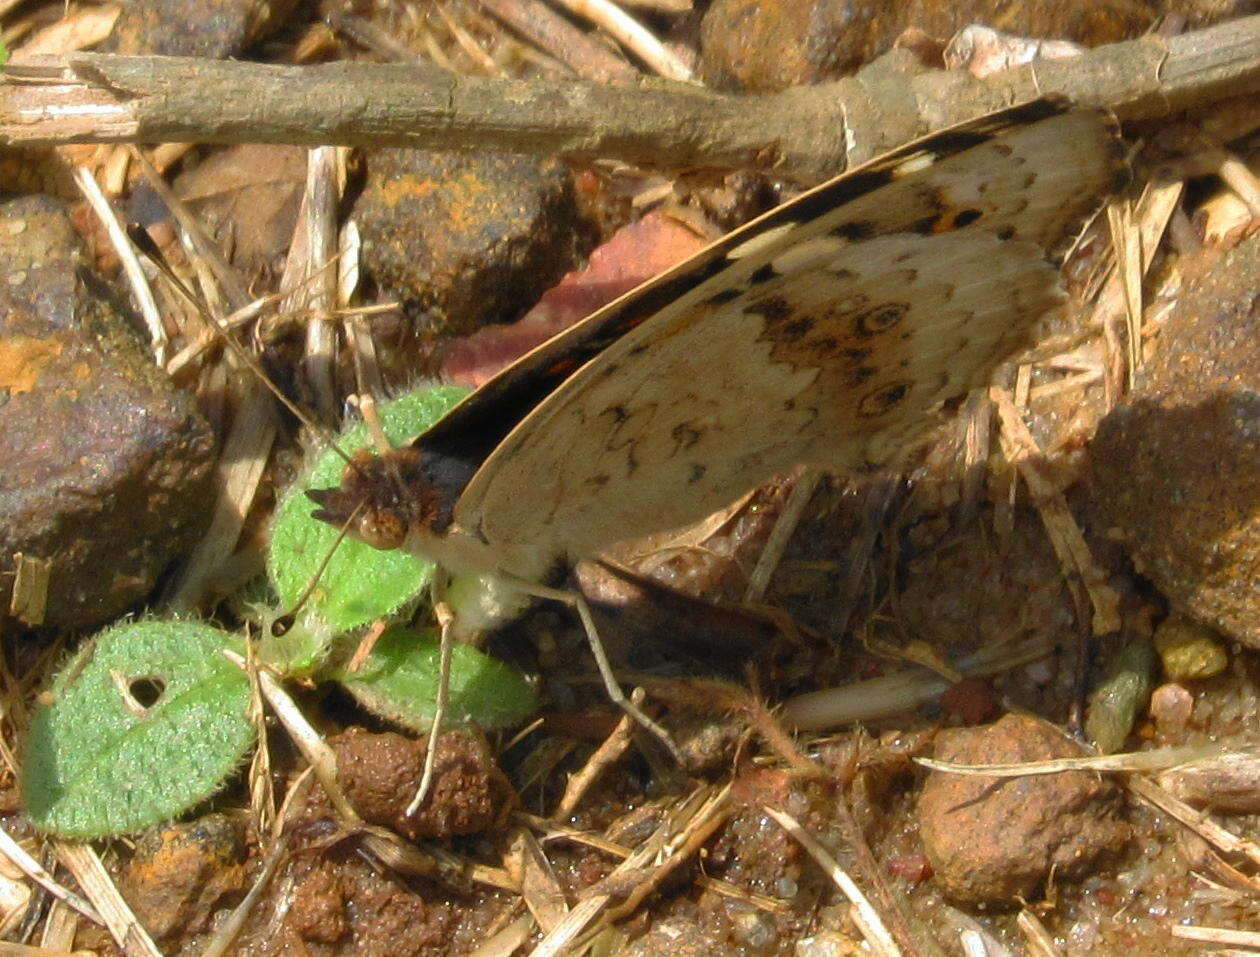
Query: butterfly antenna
(284, 622)
(367, 407)
(145, 243)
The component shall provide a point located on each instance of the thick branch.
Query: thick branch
(806, 133)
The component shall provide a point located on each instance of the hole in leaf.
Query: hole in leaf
(147, 691)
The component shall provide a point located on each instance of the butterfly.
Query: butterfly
(831, 331)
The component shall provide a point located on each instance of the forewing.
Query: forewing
(829, 334)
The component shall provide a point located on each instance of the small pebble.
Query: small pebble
(1188, 649)
(1171, 707)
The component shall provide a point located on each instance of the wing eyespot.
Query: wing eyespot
(883, 399)
(881, 318)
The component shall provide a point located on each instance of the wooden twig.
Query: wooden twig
(559, 38)
(806, 133)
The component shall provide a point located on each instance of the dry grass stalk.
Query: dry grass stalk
(1136, 242)
(1159, 759)
(559, 43)
(863, 914)
(229, 929)
(76, 30)
(630, 34)
(8, 949)
(308, 741)
(1065, 535)
(701, 812)
(505, 942)
(789, 518)
(19, 857)
(1218, 935)
(60, 927)
(552, 831)
(609, 752)
(468, 43)
(130, 262)
(540, 887)
(84, 863)
(1130, 268)
(202, 251)
(712, 815)
(262, 795)
(238, 476)
(1038, 939)
(1197, 821)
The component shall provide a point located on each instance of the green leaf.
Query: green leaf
(145, 722)
(361, 583)
(399, 681)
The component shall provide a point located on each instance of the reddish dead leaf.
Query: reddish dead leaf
(635, 254)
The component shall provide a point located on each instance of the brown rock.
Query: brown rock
(766, 45)
(105, 467)
(1171, 708)
(318, 912)
(466, 240)
(203, 28)
(1177, 468)
(380, 773)
(972, 701)
(181, 873)
(996, 840)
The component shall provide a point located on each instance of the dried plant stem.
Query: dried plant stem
(18, 856)
(86, 866)
(630, 34)
(863, 913)
(806, 133)
(607, 754)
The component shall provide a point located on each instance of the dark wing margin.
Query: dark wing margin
(475, 427)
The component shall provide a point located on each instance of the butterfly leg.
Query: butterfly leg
(577, 601)
(446, 621)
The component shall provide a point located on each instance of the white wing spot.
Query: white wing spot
(807, 254)
(913, 164)
(762, 240)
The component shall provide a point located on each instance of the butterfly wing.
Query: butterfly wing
(827, 331)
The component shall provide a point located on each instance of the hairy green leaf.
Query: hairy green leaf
(399, 681)
(146, 721)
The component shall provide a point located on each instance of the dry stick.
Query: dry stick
(323, 193)
(630, 34)
(863, 914)
(131, 263)
(552, 830)
(23, 861)
(1065, 535)
(806, 133)
(557, 37)
(1038, 939)
(785, 525)
(607, 754)
(86, 866)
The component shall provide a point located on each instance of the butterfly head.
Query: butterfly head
(384, 500)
